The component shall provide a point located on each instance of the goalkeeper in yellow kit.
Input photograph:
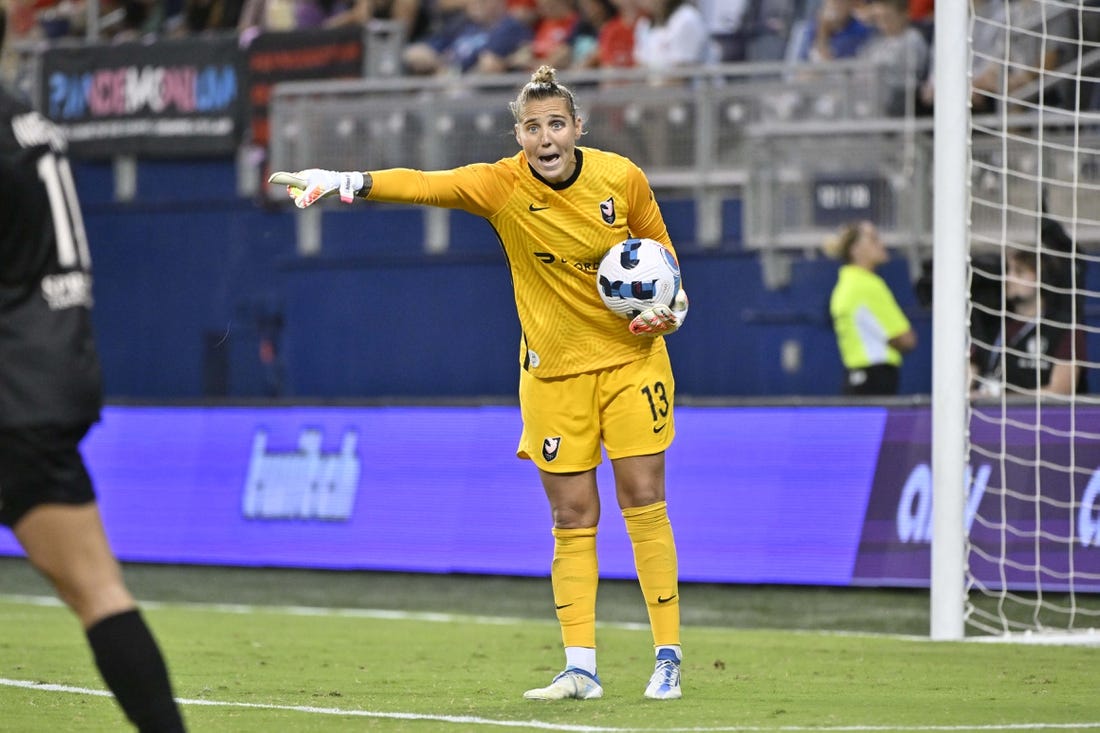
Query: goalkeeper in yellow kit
(587, 377)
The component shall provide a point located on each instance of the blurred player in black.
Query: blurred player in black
(50, 394)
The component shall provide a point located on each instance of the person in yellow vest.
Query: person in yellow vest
(872, 332)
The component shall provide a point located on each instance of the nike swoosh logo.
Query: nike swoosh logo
(662, 599)
(564, 605)
(659, 428)
(532, 207)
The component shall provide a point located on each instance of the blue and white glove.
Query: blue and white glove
(308, 186)
(661, 319)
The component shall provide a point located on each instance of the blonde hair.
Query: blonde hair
(838, 245)
(543, 85)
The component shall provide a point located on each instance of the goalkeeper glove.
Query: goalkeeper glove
(308, 186)
(661, 319)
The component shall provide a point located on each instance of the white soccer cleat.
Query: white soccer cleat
(572, 684)
(664, 684)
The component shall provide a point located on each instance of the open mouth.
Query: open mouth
(549, 159)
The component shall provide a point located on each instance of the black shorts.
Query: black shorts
(877, 379)
(41, 465)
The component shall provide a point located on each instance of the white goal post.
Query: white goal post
(949, 376)
(1016, 444)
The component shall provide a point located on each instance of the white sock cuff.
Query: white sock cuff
(675, 648)
(581, 657)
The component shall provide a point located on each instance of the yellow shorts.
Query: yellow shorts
(628, 407)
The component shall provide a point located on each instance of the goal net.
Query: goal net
(1033, 444)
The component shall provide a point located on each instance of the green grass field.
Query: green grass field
(311, 651)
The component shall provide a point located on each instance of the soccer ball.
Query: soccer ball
(637, 274)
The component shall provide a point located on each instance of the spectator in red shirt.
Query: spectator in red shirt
(594, 17)
(549, 46)
(616, 40)
(22, 17)
(921, 10)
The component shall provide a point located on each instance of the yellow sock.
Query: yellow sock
(574, 575)
(655, 560)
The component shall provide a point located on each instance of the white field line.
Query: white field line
(235, 608)
(466, 720)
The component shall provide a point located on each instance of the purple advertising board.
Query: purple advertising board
(1020, 538)
(795, 495)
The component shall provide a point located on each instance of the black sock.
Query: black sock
(131, 664)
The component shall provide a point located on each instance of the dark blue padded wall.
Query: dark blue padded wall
(178, 292)
(405, 325)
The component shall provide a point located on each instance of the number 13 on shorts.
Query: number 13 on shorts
(628, 409)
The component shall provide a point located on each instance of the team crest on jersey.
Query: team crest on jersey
(607, 210)
(550, 448)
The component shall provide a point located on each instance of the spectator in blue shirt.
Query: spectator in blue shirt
(835, 33)
(487, 27)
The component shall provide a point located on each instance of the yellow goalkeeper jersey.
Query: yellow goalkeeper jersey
(554, 236)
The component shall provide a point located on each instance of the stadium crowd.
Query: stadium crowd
(520, 35)
(493, 36)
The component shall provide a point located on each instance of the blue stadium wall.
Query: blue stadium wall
(191, 279)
